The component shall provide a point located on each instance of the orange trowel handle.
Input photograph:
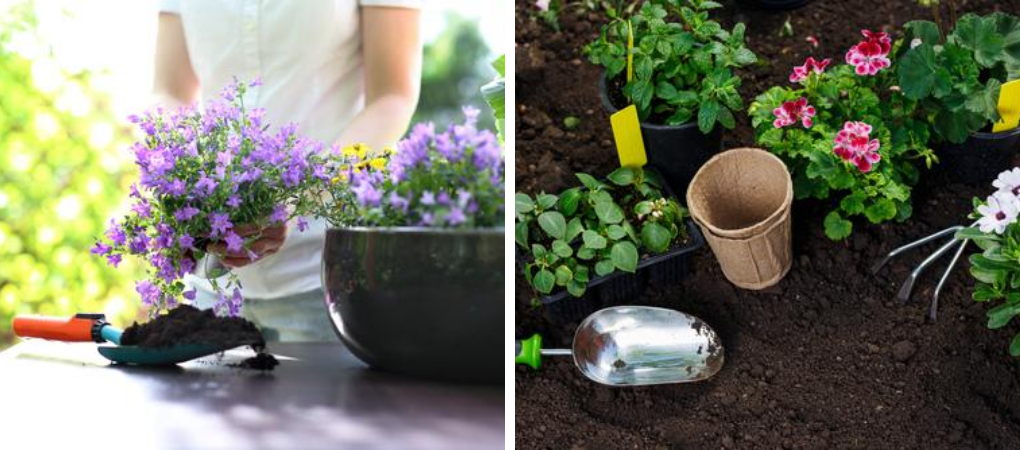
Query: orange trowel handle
(80, 328)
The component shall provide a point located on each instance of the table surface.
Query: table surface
(60, 395)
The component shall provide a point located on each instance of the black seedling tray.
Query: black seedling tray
(621, 288)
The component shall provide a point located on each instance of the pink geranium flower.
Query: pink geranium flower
(792, 111)
(853, 144)
(871, 55)
(800, 73)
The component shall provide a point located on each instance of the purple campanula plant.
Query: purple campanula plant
(452, 178)
(202, 174)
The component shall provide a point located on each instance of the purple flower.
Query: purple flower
(206, 185)
(187, 265)
(139, 245)
(101, 249)
(185, 213)
(113, 259)
(398, 202)
(116, 234)
(367, 194)
(177, 188)
(279, 214)
(455, 217)
(186, 242)
(427, 198)
(190, 294)
(234, 242)
(149, 292)
(143, 209)
(220, 223)
(234, 201)
(302, 224)
(236, 302)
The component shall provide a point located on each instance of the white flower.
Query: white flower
(542, 4)
(998, 212)
(1008, 182)
(914, 43)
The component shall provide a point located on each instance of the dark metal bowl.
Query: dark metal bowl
(419, 301)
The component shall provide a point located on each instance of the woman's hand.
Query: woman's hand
(268, 241)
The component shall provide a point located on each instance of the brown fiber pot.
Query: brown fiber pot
(741, 199)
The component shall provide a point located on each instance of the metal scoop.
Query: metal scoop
(636, 346)
(94, 328)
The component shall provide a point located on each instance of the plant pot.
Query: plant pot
(677, 151)
(980, 158)
(419, 301)
(621, 288)
(776, 5)
(741, 198)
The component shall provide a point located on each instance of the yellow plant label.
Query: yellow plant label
(1009, 107)
(630, 52)
(627, 132)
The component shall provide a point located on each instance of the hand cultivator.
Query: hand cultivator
(908, 284)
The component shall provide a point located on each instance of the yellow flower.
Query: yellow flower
(378, 163)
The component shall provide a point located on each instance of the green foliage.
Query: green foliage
(61, 178)
(595, 229)
(495, 95)
(957, 79)
(840, 96)
(997, 273)
(682, 63)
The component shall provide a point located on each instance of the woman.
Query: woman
(344, 70)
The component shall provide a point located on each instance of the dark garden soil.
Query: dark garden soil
(189, 325)
(828, 358)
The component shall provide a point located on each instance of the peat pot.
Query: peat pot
(741, 198)
(677, 151)
(980, 158)
(419, 301)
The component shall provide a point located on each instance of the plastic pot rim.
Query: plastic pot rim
(488, 231)
(756, 228)
(989, 136)
(612, 109)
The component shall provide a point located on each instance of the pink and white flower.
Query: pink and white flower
(853, 144)
(543, 5)
(794, 111)
(801, 73)
(1008, 182)
(871, 55)
(998, 212)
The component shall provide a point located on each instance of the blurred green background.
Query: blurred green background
(65, 165)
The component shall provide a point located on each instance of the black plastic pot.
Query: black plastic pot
(776, 5)
(676, 151)
(620, 288)
(980, 158)
(419, 301)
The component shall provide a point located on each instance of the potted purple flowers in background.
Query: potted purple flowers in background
(414, 270)
(211, 175)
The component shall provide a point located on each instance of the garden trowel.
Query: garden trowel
(636, 346)
(94, 328)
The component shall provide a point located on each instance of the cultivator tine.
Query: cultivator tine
(908, 285)
(896, 252)
(933, 310)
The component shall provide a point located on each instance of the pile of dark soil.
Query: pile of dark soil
(186, 324)
(826, 359)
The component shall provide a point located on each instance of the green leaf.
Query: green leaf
(589, 181)
(744, 56)
(585, 253)
(616, 232)
(563, 275)
(538, 250)
(562, 249)
(576, 288)
(707, 116)
(1014, 346)
(569, 200)
(924, 30)
(494, 94)
(981, 35)
(708, 4)
(853, 204)
(836, 227)
(574, 229)
(624, 176)
(883, 209)
(544, 281)
(655, 237)
(999, 316)
(608, 212)
(523, 203)
(546, 201)
(917, 72)
(604, 267)
(841, 179)
(625, 256)
(593, 240)
(553, 223)
(521, 234)
(985, 102)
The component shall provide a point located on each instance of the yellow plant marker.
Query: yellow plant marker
(630, 52)
(1009, 107)
(630, 147)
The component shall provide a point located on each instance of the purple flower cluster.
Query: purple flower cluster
(452, 178)
(202, 173)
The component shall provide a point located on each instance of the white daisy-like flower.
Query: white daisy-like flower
(1008, 182)
(998, 212)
